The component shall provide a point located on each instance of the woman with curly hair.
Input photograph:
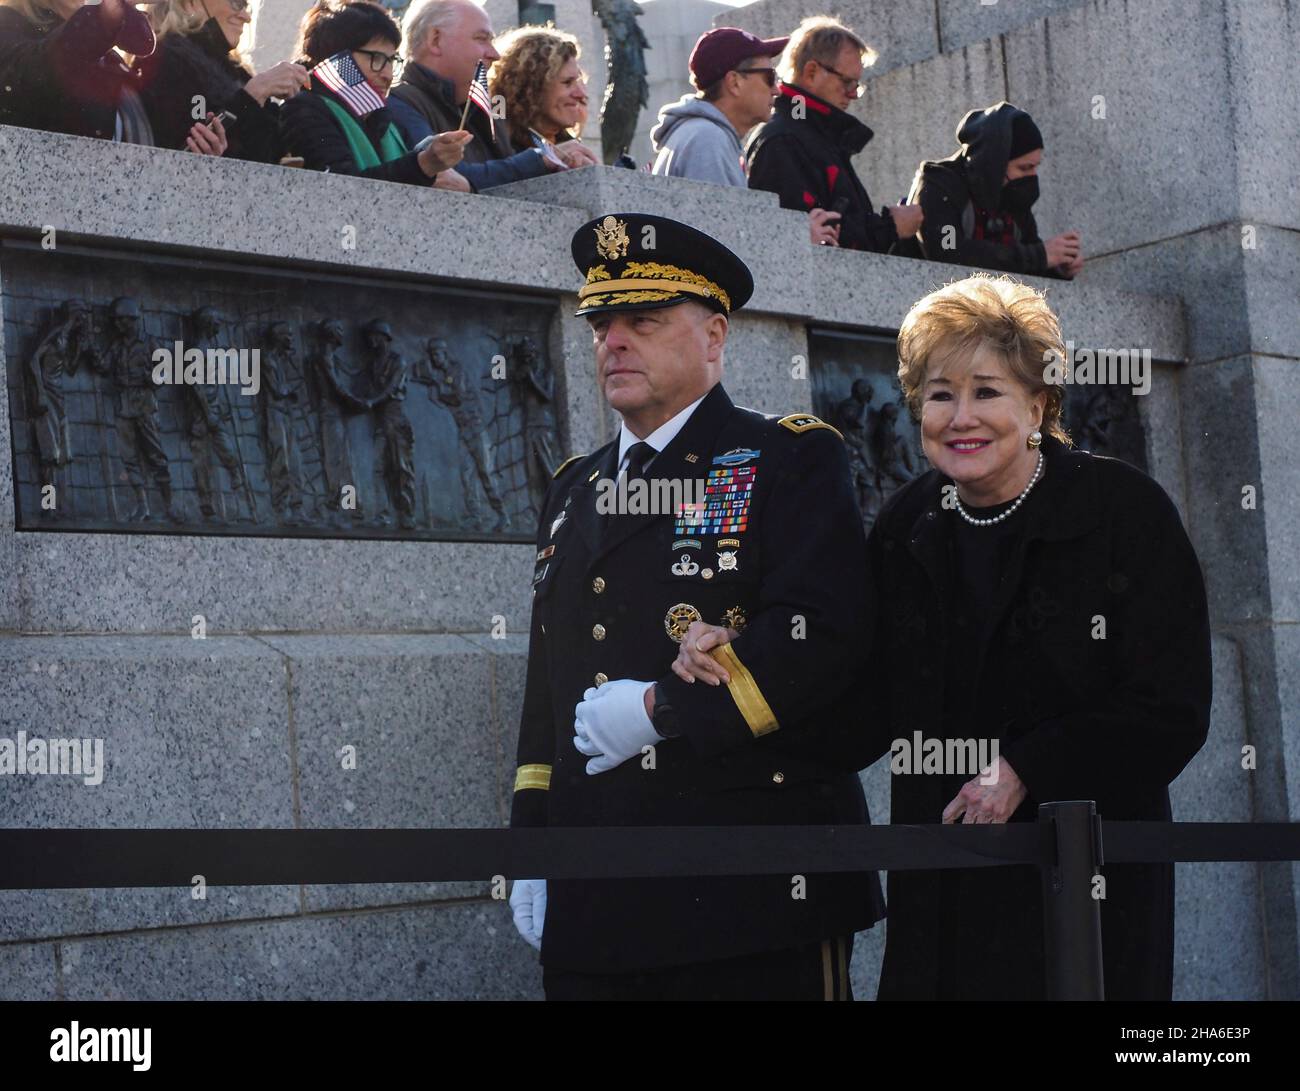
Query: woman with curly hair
(544, 90)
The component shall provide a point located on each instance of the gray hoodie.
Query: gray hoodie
(694, 139)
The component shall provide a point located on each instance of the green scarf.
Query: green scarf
(391, 143)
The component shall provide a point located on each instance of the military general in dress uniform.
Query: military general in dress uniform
(766, 539)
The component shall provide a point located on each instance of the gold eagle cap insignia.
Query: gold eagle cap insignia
(611, 238)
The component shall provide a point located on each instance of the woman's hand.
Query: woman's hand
(207, 141)
(574, 154)
(444, 151)
(981, 803)
(693, 660)
(283, 80)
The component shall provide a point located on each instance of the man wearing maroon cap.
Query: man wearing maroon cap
(699, 136)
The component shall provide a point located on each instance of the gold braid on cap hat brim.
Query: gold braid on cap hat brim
(650, 276)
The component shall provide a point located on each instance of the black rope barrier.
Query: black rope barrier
(1069, 845)
(32, 859)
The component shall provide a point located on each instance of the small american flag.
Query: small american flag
(341, 75)
(478, 91)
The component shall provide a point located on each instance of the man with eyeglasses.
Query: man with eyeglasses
(805, 153)
(699, 136)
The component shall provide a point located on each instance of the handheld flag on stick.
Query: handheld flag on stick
(341, 75)
(478, 95)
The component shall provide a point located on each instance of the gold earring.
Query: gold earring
(1035, 440)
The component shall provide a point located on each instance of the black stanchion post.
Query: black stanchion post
(1071, 912)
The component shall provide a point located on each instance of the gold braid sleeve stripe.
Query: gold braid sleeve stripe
(745, 692)
(533, 776)
(709, 291)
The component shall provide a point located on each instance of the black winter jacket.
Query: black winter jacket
(808, 162)
(960, 194)
(185, 65)
(308, 129)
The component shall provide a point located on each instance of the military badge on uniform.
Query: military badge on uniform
(737, 456)
(685, 566)
(558, 522)
(727, 560)
(679, 619)
(690, 517)
(611, 238)
(727, 492)
(734, 618)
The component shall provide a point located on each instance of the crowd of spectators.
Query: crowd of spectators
(442, 101)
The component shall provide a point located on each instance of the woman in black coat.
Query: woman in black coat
(196, 56)
(62, 70)
(1041, 599)
(329, 134)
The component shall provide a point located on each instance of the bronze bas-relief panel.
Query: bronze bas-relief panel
(855, 388)
(299, 404)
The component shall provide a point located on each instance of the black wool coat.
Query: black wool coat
(782, 750)
(1112, 720)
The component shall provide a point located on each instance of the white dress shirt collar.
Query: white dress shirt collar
(659, 438)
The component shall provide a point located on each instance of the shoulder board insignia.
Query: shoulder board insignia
(806, 422)
(566, 464)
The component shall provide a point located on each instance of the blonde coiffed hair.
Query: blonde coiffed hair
(174, 17)
(819, 38)
(998, 313)
(530, 58)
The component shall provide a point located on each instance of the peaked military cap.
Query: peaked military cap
(635, 262)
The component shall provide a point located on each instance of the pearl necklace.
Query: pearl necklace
(1038, 470)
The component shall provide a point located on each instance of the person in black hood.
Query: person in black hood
(978, 201)
(805, 153)
(196, 56)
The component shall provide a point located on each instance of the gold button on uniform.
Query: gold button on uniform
(602, 678)
(598, 585)
(598, 631)
(778, 778)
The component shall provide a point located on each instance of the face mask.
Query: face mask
(1020, 195)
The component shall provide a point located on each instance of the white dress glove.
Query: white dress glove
(528, 901)
(610, 724)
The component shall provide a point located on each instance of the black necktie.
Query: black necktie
(637, 456)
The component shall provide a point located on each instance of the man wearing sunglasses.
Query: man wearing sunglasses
(699, 136)
(805, 153)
